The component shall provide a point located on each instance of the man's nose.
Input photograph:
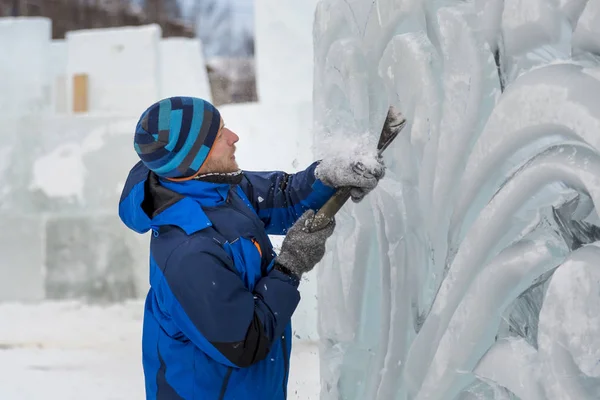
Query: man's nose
(232, 138)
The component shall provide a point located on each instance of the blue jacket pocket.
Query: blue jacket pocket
(246, 256)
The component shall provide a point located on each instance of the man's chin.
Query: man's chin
(222, 168)
(232, 167)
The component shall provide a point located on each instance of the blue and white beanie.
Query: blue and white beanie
(174, 136)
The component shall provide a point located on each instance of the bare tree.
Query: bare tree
(172, 9)
(161, 10)
(16, 8)
(247, 44)
(214, 27)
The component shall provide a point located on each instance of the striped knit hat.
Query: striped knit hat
(174, 136)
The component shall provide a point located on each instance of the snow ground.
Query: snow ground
(60, 350)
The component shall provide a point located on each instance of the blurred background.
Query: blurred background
(225, 28)
(75, 75)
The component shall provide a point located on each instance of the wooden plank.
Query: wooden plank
(80, 93)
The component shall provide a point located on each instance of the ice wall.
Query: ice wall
(24, 47)
(131, 67)
(122, 63)
(448, 282)
(127, 68)
(183, 69)
(283, 50)
(61, 179)
(61, 174)
(56, 66)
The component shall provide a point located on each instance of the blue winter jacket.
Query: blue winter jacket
(217, 315)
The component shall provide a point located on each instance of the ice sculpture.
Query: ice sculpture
(472, 272)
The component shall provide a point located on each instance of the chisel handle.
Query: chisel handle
(330, 208)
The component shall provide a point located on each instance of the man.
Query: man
(217, 315)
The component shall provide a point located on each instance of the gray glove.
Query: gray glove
(362, 177)
(301, 249)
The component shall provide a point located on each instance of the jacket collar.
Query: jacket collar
(208, 194)
(187, 212)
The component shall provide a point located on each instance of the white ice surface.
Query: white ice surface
(24, 49)
(122, 64)
(57, 75)
(587, 34)
(284, 52)
(527, 24)
(74, 167)
(183, 69)
(63, 178)
(70, 351)
(423, 279)
(25, 267)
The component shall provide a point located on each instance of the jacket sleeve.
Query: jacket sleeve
(209, 303)
(280, 199)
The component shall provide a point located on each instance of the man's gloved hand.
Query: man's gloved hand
(361, 176)
(301, 249)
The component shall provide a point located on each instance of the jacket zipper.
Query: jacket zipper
(286, 363)
(225, 383)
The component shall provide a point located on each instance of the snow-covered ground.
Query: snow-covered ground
(70, 350)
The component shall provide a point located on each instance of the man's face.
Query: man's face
(221, 158)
